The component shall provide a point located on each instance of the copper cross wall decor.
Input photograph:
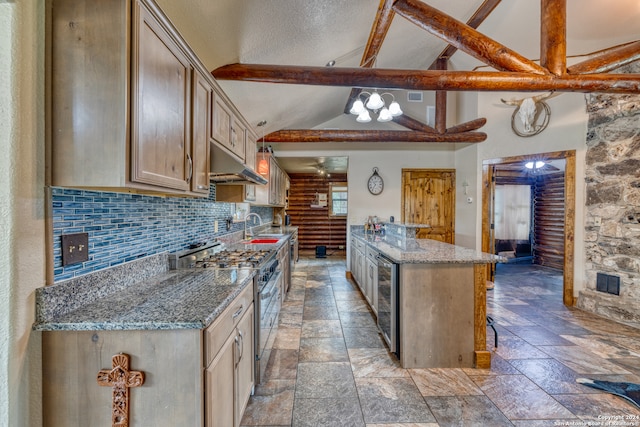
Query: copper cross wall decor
(120, 378)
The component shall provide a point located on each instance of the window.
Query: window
(338, 199)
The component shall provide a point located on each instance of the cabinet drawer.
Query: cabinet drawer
(216, 334)
(359, 244)
(372, 254)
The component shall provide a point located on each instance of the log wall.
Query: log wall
(316, 226)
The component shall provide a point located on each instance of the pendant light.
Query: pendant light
(263, 163)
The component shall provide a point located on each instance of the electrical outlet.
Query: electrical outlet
(75, 248)
(215, 226)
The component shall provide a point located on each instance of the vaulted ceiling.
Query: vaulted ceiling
(270, 56)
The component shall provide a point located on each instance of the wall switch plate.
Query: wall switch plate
(75, 248)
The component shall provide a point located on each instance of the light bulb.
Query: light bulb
(364, 117)
(395, 109)
(375, 102)
(357, 107)
(384, 115)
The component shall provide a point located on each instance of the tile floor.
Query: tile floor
(330, 367)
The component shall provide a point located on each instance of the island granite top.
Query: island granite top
(177, 299)
(424, 251)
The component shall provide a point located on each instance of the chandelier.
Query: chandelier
(375, 102)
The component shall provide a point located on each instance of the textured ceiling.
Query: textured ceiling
(313, 32)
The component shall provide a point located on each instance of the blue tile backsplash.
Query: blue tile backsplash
(123, 227)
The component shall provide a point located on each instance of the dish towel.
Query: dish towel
(629, 391)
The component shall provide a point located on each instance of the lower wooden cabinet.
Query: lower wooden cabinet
(191, 377)
(229, 362)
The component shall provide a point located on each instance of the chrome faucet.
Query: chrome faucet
(246, 220)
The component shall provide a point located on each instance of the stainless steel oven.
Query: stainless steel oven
(388, 303)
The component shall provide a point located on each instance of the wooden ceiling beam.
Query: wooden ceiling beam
(476, 19)
(553, 36)
(465, 38)
(468, 126)
(319, 135)
(413, 124)
(481, 81)
(379, 30)
(608, 59)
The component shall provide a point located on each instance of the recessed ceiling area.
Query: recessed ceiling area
(312, 164)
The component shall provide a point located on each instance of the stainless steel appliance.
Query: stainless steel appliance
(267, 285)
(388, 303)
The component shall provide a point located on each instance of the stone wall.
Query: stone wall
(612, 220)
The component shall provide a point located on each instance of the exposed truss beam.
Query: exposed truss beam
(482, 81)
(609, 59)
(468, 126)
(478, 18)
(319, 135)
(553, 36)
(413, 124)
(465, 38)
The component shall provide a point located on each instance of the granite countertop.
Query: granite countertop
(424, 251)
(177, 299)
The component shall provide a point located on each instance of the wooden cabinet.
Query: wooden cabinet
(364, 269)
(161, 94)
(229, 362)
(98, 148)
(228, 130)
(274, 192)
(201, 124)
(121, 100)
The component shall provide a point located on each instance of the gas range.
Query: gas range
(267, 286)
(216, 256)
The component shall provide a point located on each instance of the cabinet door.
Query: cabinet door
(244, 363)
(238, 137)
(201, 114)
(221, 122)
(219, 386)
(161, 88)
(250, 149)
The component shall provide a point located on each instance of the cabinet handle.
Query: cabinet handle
(241, 345)
(237, 341)
(238, 312)
(190, 168)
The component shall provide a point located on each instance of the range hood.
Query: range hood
(225, 169)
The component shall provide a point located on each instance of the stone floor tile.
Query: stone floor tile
(467, 411)
(582, 361)
(513, 347)
(536, 335)
(443, 382)
(375, 362)
(357, 319)
(551, 376)
(333, 412)
(325, 380)
(322, 329)
(287, 338)
(272, 404)
(392, 400)
(323, 350)
(283, 364)
(363, 338)
(519, 398)
(320, 312)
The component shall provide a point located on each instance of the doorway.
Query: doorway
(489, 175)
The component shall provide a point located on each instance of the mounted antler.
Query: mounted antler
(529, 110)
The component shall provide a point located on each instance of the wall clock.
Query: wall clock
(375, 183)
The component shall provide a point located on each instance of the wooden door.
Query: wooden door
(160, 107)
(428, 197)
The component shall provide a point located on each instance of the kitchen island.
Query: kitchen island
(441, 299)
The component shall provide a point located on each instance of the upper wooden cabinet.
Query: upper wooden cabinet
(126, 108)
(202, 96)
(228, 129)
(274, 192)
